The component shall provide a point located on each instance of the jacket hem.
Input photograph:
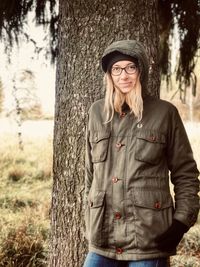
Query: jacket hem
(130, 255)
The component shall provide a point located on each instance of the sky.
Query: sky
(25, 58)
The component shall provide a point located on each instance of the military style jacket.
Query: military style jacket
(128, 168)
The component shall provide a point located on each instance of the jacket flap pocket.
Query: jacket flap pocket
(152, 199)
(151, 136)
(97, 199)
(96, 136)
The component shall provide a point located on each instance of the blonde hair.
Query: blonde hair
(114, 99)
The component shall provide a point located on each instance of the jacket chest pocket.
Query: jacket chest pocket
(99, 141)
(149, 146)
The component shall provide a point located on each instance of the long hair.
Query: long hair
(114, 99)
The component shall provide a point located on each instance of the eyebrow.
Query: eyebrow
(116, 65)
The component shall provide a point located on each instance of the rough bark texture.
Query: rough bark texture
(85, 29)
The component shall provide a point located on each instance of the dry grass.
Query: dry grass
(25, 195)
(22, 247)
(188, 254)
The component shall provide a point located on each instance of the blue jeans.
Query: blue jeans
(95, 260)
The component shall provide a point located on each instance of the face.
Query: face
(125, 82)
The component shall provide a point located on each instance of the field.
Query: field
(25, 194)
(25, 197)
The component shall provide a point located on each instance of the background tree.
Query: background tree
(26, 103)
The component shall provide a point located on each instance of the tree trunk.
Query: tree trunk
(85, 29)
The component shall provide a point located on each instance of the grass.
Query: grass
(23, 247)
(188, 254)
(25, 195)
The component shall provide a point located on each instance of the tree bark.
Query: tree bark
(85, 29)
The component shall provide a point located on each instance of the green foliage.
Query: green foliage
(13, 18)
(186, 14)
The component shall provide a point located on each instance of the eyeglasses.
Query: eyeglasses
(129, 69)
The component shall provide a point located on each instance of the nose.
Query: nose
(124, 75)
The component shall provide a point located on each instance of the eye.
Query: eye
(116, 69)
(131, 67)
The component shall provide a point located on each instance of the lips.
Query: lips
(125, 84)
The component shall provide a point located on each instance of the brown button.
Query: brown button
(115, 179)
(117, 215)
(123, 114)
(157, 205)
(152, 138)
(119, 250)
(118, 145)
(91, 204)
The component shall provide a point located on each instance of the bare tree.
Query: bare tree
(25, 99)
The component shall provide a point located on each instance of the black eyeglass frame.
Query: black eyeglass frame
(125, 69)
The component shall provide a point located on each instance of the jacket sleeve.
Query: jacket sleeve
(88, 166)
(184, 172)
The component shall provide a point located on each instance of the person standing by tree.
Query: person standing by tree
(133, 141)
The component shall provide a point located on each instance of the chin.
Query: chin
(125, 90)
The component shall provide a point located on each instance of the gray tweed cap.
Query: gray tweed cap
(131, 48)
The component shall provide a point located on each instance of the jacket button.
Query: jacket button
(117, 215)
(152, 138)
(91, 204)
(157, 205)
(118, 145)
(115, 179)
(119, 250)
(123, 114)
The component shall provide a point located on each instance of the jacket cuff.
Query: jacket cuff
(189, 220)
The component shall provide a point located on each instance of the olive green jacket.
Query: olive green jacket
(128, 169)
